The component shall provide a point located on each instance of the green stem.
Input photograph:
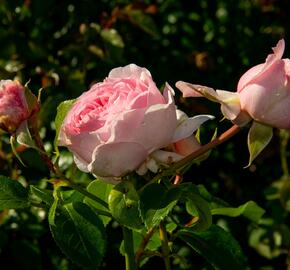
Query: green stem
(164, 246)
(129, 249)
(143, 244)
(284, 137)
(54, 168)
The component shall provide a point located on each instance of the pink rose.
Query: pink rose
(114, 126)
(13, 106)
(263, 93)
(264, 90)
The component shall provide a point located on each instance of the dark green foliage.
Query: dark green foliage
(64, 46)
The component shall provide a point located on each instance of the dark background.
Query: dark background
(64, 46)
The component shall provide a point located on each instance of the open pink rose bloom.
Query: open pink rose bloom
(263, 93)
(113, 128)
(13, 106)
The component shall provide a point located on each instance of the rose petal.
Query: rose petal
(256, 71)
(128, 71)
(187, 126)
(166, 157)
(117, 159)
(81, 164)
(187, 146)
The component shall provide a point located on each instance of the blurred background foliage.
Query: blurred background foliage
(64, 46)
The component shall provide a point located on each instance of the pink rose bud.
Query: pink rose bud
(113, 127)
(264, 90)
(13, 106)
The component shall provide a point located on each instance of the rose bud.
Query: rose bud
(13, 106)
(264, 90)
(263, 93)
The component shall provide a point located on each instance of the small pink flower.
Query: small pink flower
(264, 90)
(13, 106)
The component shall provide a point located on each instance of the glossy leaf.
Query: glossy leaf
(199, 209)
(12, 194)
(156, 202)
(44, 195)
(102, 190)
(217, 246)
(79, 233)
(123, 204)
(62, 111)
(258, 138)
(250, 210)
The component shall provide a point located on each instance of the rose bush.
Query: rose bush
(13, 106)
(112, 128)
(264, 90)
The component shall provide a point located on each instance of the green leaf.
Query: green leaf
(42, 194)
(12, 194)
(153, 244)
(217, 246)
(258, 138)
(62, 111)
(112, 36)
(123, 204)
(102, 190)
(71, 196)
(250, 210)
(197, 207)
(156, 202)
(114, 44)
(79, 233)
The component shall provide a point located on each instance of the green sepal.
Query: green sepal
(258, 138)
(62, 111)
(31, 99)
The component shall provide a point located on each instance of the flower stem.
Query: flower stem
(284, 137)
(129, 249)
(164, 246)
(55, 169)
(143, 244)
